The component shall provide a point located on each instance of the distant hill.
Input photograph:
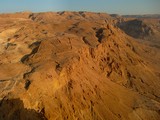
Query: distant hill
(143, 16)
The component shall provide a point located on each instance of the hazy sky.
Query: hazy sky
(109, 6)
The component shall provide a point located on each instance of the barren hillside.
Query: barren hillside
(79, 66)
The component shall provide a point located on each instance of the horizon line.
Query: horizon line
(23, 11)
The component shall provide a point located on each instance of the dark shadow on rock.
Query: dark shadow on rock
(13, 109)
(26, 57)
(99, 34)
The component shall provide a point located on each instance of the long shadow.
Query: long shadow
(26, 57)
(13, 109)
(34, 46)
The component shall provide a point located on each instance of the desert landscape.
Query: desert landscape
(79, 66)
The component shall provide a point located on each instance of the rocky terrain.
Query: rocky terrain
(79, 66)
